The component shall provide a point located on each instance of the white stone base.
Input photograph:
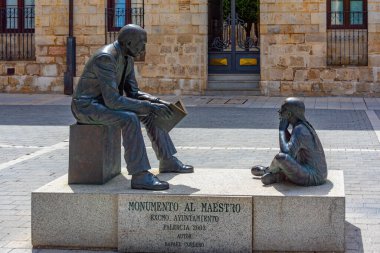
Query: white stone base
(211, 210)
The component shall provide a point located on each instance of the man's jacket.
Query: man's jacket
(106, 75)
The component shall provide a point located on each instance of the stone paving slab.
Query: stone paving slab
(10, 153)
(350, 143)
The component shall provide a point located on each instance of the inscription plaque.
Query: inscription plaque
(184, 224)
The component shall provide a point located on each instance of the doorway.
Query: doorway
(233, 37)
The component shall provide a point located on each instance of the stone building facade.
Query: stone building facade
(293, 49)
(175, 62)
(176, 53)
(294, 52)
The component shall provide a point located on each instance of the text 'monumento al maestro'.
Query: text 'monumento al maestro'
(184, 224)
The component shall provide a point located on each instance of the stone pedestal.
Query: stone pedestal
(160, 223)
(211, 210)
(94, 154)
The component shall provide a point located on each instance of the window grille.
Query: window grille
(122, 12)
(17, 30)
(347, 34)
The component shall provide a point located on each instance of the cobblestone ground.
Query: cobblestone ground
(229, 134)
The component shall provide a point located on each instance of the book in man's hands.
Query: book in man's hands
(179, 112)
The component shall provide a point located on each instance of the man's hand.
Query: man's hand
(160, 101)
(284, 124)
(161, 110)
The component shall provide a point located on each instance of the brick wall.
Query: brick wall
(294, 52)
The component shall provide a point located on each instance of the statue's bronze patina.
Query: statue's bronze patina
(301, 159)
(99, 99)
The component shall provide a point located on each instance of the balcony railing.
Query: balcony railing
(347, 38)
(347, 47)
(17, 33)
(117, 18)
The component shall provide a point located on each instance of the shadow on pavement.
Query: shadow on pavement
(353, 237)
(36, 115)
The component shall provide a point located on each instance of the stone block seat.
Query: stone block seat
(94, 153)
(211, 210)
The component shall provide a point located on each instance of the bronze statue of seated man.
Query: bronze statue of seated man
(108, 94)
(301, 159)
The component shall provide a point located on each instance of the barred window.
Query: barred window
(347, 35)
(17, 15)
(122, 12)
(17, 30)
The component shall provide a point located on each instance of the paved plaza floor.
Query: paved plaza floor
(219, 132)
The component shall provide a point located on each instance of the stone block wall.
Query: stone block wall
(89, 29)
(24, 79)
(293, 39)
(176, 52)
(45, 73)
(294, 52)
(175, 61)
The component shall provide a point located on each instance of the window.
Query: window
(347, 14)
(17, 30)
(122, 12)
(347, 35)
(118, 14)
(17, 15)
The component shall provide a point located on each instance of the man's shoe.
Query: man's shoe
(148, 181)
(173, 165)
(271, 178)
(259, 170)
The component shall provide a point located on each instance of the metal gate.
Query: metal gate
(232, 41)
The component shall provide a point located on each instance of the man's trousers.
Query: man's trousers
(134, 147)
